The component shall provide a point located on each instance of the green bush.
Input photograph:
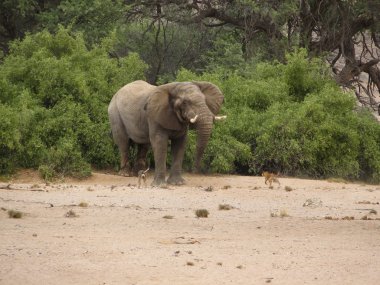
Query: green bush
(10, 138)
(64, 159)
(290, 118)
(54, 94)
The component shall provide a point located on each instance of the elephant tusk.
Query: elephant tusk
(220, 118)
(193, 120)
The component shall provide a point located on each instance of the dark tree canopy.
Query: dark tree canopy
(348, 32)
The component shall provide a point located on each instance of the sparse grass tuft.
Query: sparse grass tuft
(168, 217)
(337, 180)
(373, 211)
(5, 178)
(190, 263)
(15, 214)
(284, 213)
(273, 214)
(225, 207)
(3, 209)
(201, 213)
(348, 218)
(71, 214)
(239, 267)
(219, 263)
(288, 188)
(83, 204)
(226, 186)
(209, 189)
(270, 187)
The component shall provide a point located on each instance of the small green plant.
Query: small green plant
(225, 207)
(331, 218)
(46, 172)
(13, 214)
(348, 218)
(83, 204)
(288, 188)
(201, 213)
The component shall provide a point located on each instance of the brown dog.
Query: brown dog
(271, 178)
(142, 175)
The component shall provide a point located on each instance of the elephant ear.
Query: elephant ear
(214, 97)
(160, 110)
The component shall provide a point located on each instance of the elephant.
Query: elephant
(149, 115)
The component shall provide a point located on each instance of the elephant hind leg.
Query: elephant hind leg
(141, 164)
(121, 139)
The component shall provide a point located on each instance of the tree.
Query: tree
(19, 16)
(95, 18)
(342, 29)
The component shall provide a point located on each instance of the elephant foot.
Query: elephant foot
(176, 180)
(159, 182)
(125, 172)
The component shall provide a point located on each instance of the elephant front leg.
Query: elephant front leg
(160, 145)
(178, 151)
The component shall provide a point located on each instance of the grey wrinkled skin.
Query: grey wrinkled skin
(153, 115)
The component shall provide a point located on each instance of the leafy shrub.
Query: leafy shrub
(65, 159)
(304, 76)
(10, 138)
(290, 118)
(54, 97)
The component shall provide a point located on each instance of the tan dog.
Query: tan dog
(142, 175)
(271, 178)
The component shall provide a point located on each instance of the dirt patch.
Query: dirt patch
(121, 237)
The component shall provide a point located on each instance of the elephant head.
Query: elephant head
(176, 105)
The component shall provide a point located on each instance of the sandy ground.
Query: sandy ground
(128, 235)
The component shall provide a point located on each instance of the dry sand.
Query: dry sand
(125, 234)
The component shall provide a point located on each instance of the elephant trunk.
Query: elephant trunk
(203, 128)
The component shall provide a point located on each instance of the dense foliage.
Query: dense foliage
(290, 118)
(285, 112)
(54, 94)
